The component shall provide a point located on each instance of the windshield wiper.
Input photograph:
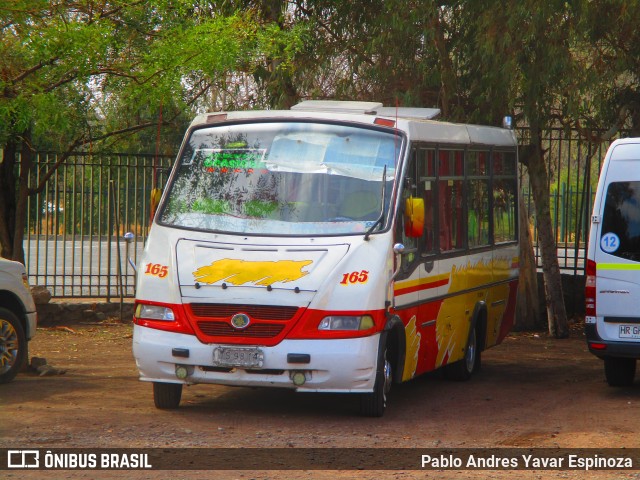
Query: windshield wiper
(381, 217)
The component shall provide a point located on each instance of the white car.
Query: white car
(18, 318)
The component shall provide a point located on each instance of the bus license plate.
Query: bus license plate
(629, 331)
(238, 357)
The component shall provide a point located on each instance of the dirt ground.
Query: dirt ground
(532, 391)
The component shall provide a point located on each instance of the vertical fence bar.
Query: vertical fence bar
(109, 235)
(90, 224)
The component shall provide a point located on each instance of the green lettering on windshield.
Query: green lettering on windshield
(234, 159)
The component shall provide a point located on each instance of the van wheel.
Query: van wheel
(13, 345)
(463, 369)
(166, 396)
(619, 372)
(374, 404)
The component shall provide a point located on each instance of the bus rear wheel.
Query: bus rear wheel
(463, 369)
(374, 404)
(166, 396)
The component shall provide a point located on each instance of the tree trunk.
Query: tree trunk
(26, 163)
(7, 199)
(448, 77)
(281, 91)
(528, 304)
(556, 312)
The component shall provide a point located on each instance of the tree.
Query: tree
(526, 51)
(80, 72)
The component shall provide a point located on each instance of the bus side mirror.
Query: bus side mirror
(414, 217)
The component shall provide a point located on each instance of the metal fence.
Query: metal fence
(74, 243)
(573, 164)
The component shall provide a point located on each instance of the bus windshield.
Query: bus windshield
(283, 178)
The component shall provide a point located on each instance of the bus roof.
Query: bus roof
(417, 123)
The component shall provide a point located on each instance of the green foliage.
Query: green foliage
(83, 69)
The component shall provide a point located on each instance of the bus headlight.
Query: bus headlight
(341, 322)
(154, 312)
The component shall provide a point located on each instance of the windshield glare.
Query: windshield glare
(286, 178)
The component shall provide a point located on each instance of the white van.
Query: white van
(333, 247)
(612, 322)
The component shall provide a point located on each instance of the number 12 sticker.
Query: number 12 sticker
(609, 242)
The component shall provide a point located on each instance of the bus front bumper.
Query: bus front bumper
(336, 365)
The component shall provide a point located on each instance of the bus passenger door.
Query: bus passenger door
(418, 280)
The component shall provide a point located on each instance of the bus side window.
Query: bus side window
(409, 190)
(505, 184)
(450, 200)
(477, 198)
(427, 190)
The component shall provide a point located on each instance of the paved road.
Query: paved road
(80, 267)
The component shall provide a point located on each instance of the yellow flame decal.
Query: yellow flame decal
(240, 272)
(413, 348)
(451, 331)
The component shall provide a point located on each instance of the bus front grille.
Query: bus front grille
(254, 330)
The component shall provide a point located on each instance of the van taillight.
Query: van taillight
(590, 289)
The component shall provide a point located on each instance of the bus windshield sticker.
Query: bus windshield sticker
(236, 159)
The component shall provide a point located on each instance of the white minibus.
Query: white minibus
(334, 247)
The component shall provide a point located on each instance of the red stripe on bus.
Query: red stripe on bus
(425, 286)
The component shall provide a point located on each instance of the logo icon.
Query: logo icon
(23, 459)
(240, 321)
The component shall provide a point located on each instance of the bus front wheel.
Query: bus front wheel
(374, 404)
(166, 396)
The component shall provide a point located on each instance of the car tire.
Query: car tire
(166, 396)
(13, 345)
(619, 372)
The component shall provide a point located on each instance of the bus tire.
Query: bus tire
(374, 404)
(166, 396)
(13, 345)
(619, 372)
(463, 369)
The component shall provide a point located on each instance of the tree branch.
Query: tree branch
(623, 114)
(34, 69)
(84, 140)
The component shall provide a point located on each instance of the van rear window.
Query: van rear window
(620, 234)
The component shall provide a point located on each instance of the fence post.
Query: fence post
(116, 221)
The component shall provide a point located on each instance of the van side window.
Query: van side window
(620, 235)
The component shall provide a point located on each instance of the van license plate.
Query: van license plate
(238, 357)
(629, 331)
